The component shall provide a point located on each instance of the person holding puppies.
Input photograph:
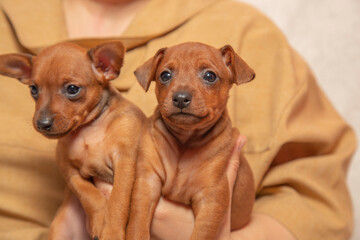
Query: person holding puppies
(297, 146)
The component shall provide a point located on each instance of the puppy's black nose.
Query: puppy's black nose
(44, 123)
(181, 99)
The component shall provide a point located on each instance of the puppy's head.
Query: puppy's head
(67, 82)
(193, 82)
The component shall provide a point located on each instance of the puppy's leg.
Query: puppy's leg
(92, 200)
(243, 197)
(210, 206)
(146, 191)
(70, 221)
(118, 206)
(145, 197)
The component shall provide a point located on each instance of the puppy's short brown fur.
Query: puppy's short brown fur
(98, 132)
(187, 143)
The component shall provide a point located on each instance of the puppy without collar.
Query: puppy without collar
(187, 143)
(98, 132)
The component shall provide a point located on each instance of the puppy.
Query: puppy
(98, 132)
(187, 143)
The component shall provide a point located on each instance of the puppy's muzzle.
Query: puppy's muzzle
(182, 99)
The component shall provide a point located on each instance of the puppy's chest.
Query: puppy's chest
(90, 152)
(184, 176)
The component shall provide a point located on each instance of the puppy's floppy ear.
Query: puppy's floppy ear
(17, 65)
(107, 59)
(146, 72)
(242, 73)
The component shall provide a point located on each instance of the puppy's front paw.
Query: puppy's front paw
(95, 225)
(112, 234)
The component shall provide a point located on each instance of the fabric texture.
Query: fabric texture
(324, 34)
(298, 146)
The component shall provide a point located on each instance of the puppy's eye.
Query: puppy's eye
(72, 90)
(34, 91)
(210, 77)
(165, 76)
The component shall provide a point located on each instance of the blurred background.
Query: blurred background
(327, 34)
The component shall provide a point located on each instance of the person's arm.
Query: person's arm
(30, 185)
(301, 174)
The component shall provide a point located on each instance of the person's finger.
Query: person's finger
(104, 187)
(234, 162)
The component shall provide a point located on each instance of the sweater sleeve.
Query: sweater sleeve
(30, 185)
(305, 185)
(299, 147)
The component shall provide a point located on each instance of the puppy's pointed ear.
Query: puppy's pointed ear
(17, 66)
(242, 73)
(146, 72)
(107, 60)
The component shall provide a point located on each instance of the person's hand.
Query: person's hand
(176, 222)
